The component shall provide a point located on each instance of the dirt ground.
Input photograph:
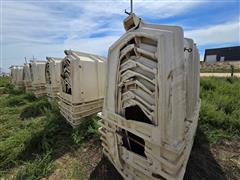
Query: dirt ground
(217, 162)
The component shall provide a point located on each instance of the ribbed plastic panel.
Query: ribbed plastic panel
(17, 76)
(152, 101)
(82, 85)
(37, 71)
(27, 78)
(13, 74)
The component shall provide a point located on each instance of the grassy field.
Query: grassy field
(33, 134)
(220, 108)
(37, 143)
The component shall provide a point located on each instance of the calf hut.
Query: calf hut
(17, 76)
(151, 103)
(13, 74)
(37, 69)
(82, 85)
(27, 79)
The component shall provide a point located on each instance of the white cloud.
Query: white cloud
(216, 34)
(47, 28)
(164, 9)
(148, 8)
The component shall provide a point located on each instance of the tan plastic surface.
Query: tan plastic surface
(37, 70)
(82, 85)
(52, 74)
(27, 78)
(13, 74)
(151, 103)
(17, 76)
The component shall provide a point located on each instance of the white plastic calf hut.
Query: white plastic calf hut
(151, 103)
(13, 74)
(82, 85)
(37, 69)
(17, 76)
(52, 74)
(27, 77)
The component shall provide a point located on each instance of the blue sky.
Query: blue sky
(43, 28)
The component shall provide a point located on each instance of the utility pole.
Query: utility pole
(232, 70)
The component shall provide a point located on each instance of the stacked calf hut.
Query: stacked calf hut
(151, 105)
(52, 74)
(82, 85)
(27, 77)
(13, 74)
(37, 70)
(17, 76)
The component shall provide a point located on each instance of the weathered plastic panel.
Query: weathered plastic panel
(52, 74)
(147, 129)
(13, 74)
(27, 78)
(192, 64)
(37, 69)
(17, 76)
(82, 84)
(168, 45)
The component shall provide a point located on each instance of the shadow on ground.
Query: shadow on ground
(55, 137)
(201, 164)
(105, 170)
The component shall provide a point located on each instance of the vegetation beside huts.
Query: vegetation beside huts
(36, 142)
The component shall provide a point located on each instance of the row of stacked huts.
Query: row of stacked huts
(147, 90)
(75, 81)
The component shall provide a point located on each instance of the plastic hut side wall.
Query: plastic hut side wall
(37, 70)
(27, 78)
(82, 85)
(52, 74)
(151, 104)
(13, 74)
(17, 76)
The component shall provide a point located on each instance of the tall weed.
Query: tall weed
(41, 167)
(220, 108)
(35, 109)
(86, 130)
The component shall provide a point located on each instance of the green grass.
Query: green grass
(35, 109)
(33, 133)
(40, 167)
(220, 112)
(89, 128)
(4, 81)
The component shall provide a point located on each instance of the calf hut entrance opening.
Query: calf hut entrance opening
(133, 143)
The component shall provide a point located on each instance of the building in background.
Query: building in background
(222, 54)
